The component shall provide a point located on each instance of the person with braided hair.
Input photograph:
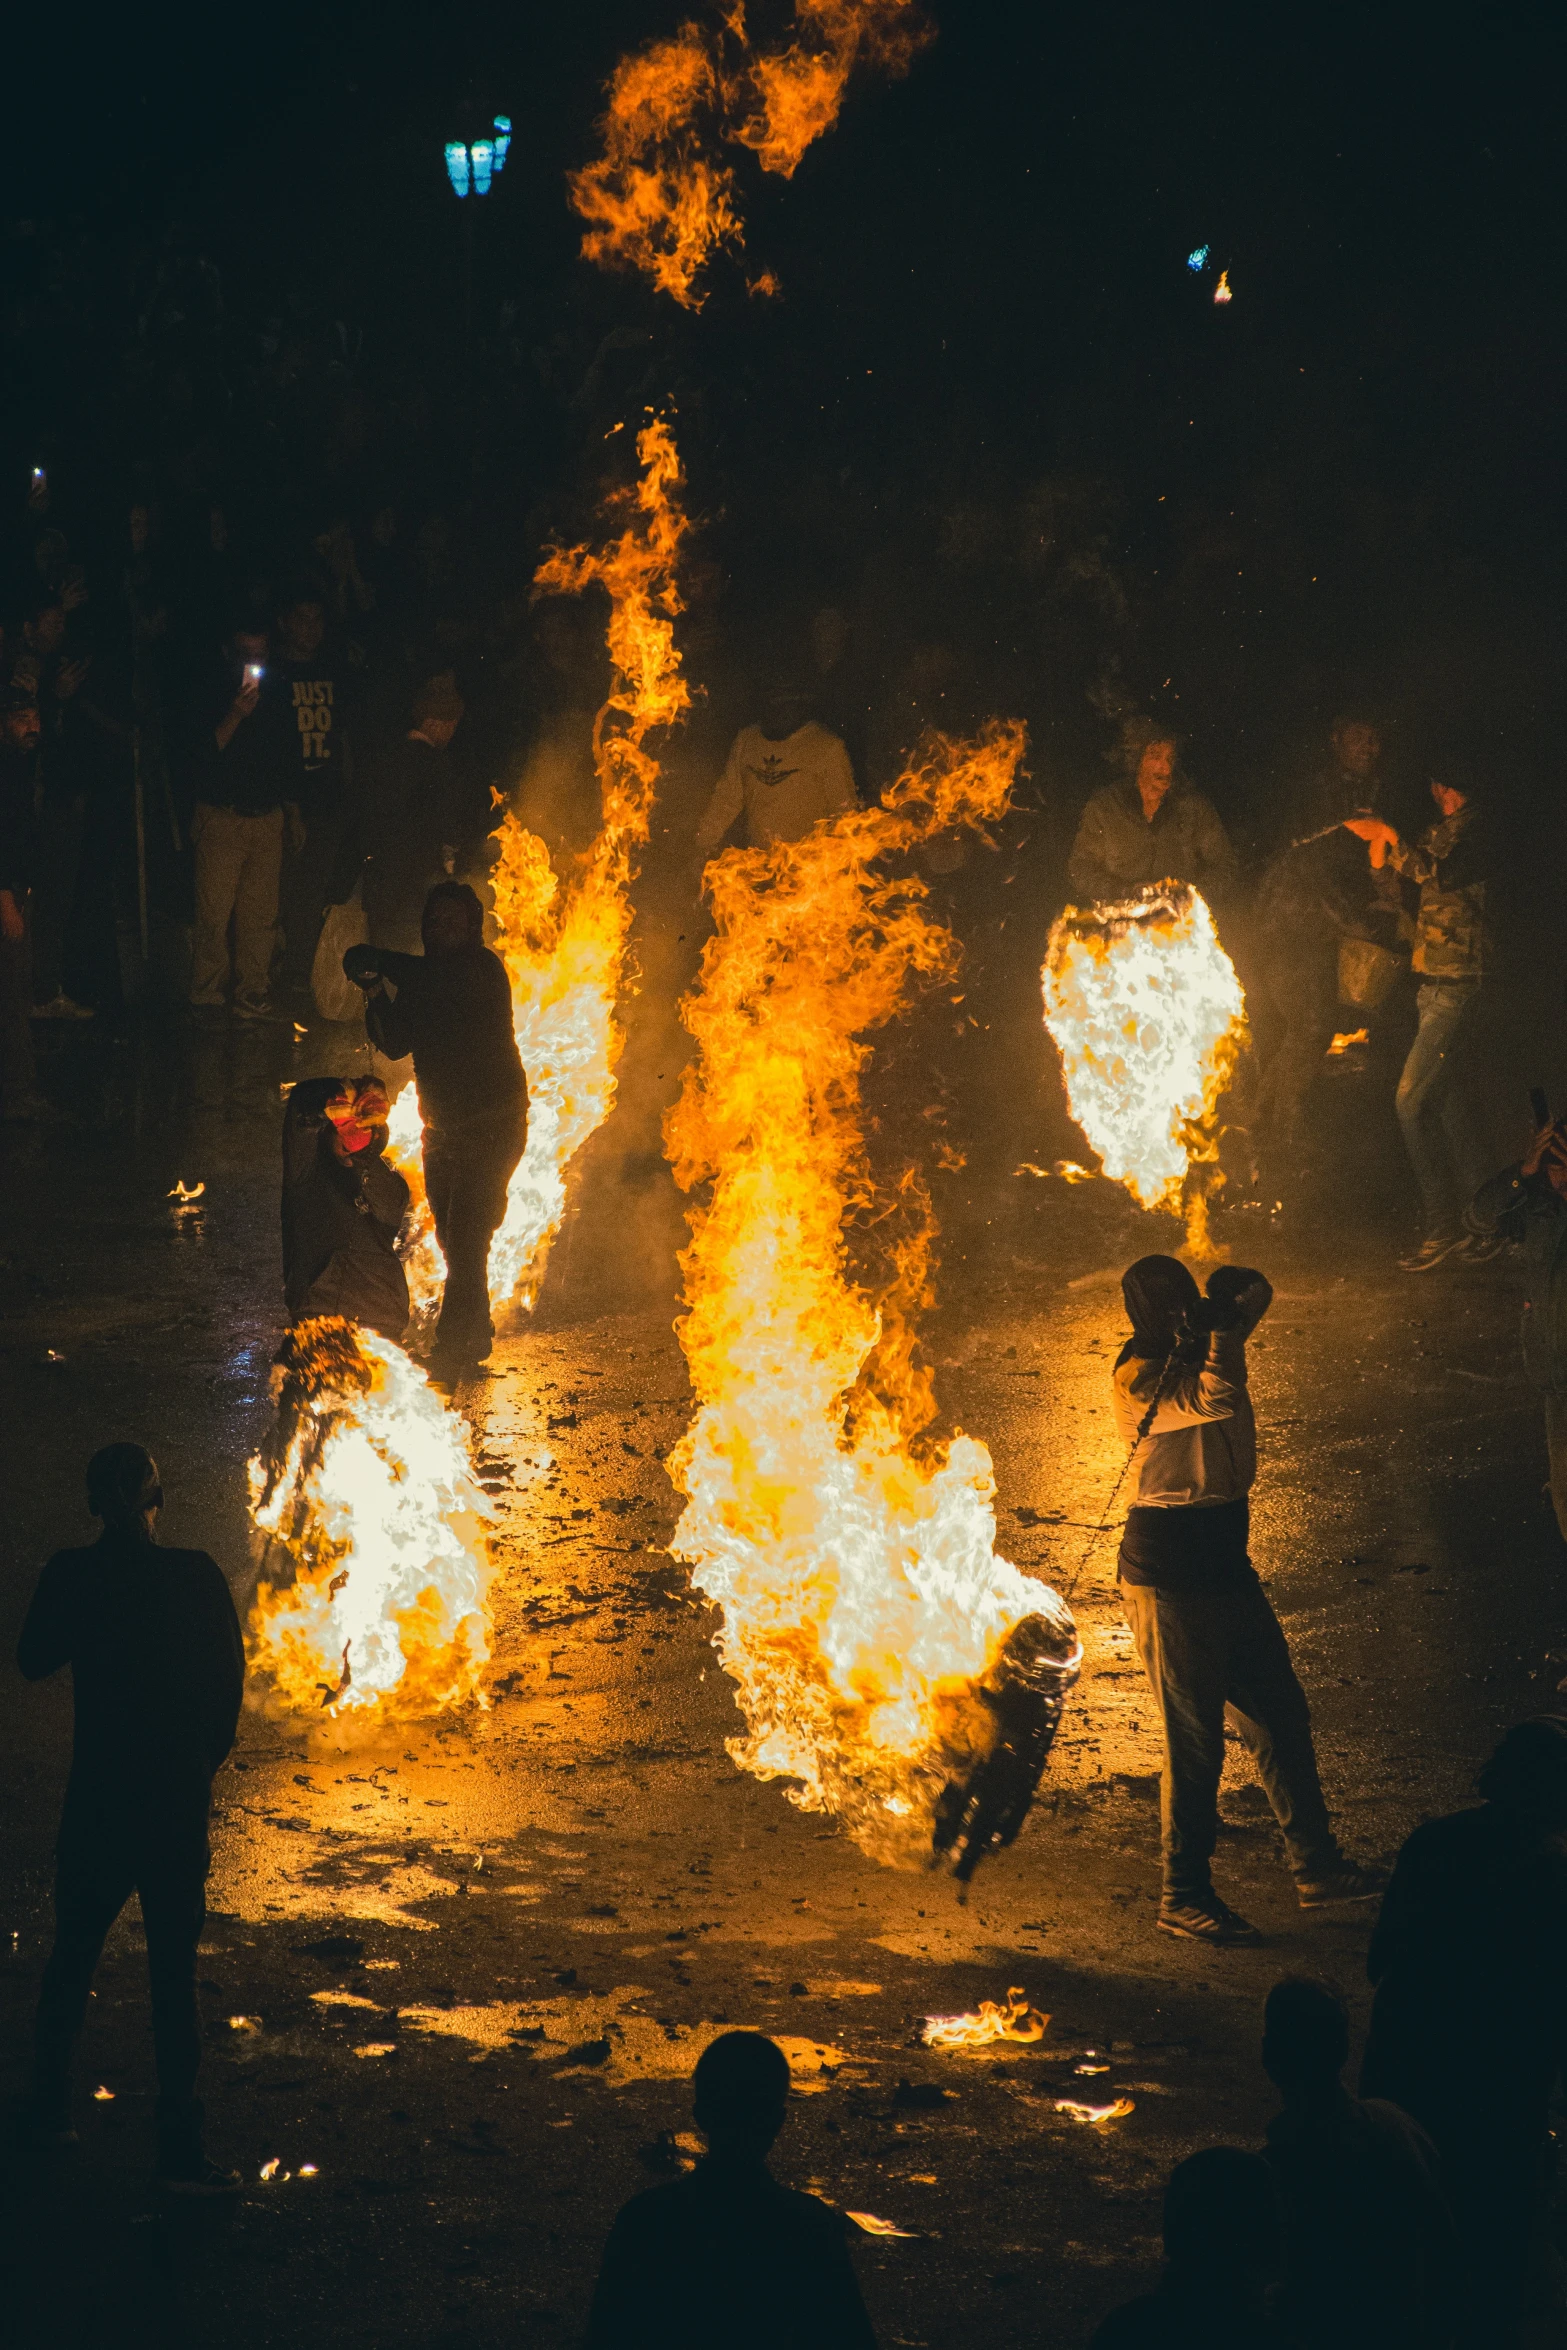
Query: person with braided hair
(1210, 1643)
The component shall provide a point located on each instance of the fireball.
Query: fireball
(1149, 1019)
(375, 1531)
(866, 1615)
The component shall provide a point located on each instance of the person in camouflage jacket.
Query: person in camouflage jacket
(1452, 868)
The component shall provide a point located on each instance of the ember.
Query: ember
(372, 1518)
(888, 1660)
(1149, 1019)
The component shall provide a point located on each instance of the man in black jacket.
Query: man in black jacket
(407, 824)
(342, 1206)
(157, 1668)
(451, 1008)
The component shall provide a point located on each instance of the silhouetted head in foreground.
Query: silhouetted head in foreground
(1221, 2221)
(1305, 2040)
(1528, 1771)
(453, 918)
(123, 1488)
(740, 2093)
(1160, 1296)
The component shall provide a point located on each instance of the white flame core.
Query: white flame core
(1148, 1015)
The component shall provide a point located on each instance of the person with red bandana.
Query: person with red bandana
(342, 1206)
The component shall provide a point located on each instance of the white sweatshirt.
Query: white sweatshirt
(783, 787)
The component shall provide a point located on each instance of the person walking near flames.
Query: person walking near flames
(451, 1008)
(1211, 1645)
(157, 1668)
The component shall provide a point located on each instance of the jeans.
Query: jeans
(238, 861)
(466, 1174)
(1213, 1657)
(95, 1876)
(1302, 995)
(1433, 1105)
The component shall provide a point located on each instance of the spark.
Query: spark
(1223, 292)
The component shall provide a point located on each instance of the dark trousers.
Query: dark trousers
(1302, 997)
(94, 1878)
(466, 1172)
(1214, 1657)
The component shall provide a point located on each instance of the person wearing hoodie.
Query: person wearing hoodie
(1210, 1643)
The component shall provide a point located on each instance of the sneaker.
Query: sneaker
(1205, 1918)
(61, 1007)
(198, 2176)
(1435, 1249)
(1345, 1883)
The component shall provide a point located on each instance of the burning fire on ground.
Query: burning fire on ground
(888, 1661)
(1149, 1019)
(989, 2022)
(659, 198)
(563, 940)
(375, 1530)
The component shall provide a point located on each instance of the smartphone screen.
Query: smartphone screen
(254, 672)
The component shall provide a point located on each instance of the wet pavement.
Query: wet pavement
(455, 1976)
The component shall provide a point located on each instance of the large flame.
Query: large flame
(1018, 2021)
(657, 198)
(853, 1555)
(1149, 1018)
(564, 943)
(364, 1493)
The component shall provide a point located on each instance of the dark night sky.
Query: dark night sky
(1349, 482)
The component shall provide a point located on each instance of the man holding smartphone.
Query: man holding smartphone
(237, 830)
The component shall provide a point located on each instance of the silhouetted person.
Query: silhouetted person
(342, 1206)
(1369, 2256)
(1209, 1640)
(726, 2256)
(157, 1670)
(1469, 1959)
(407, 824)
(1221, 2252)
(451, 1008)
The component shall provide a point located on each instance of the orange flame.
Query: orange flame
(657, 199)
(851, 1551)
(373, 1601)
(990, 2021)
(564, 944)
(1149, 1019)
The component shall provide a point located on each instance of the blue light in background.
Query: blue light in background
(502, 141)
(1199, 259)
(483, 154)
(457, 166)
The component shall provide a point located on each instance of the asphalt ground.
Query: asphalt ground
(464, 1969)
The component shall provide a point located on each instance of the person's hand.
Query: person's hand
(13, 922)
(295, 824)
(1379, 837)
(244, 701)
(71, 676)
(1550, 1143)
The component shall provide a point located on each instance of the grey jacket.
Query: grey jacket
(1118, 851)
